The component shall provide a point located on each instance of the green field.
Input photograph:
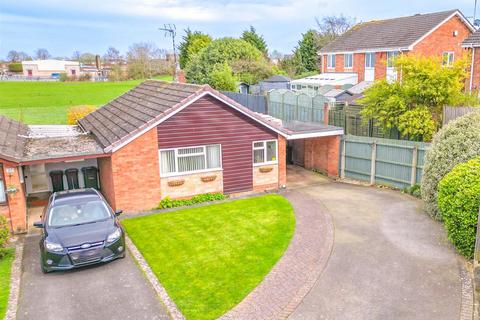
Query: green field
(209, 258)
(48, 102)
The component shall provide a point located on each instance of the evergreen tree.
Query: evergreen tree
(256, 40)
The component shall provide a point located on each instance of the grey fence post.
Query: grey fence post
(344, 158)
(373, 164)
(413, 178)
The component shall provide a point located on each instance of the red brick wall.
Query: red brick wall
(476, 69)
(282, 161)
(16, 208)
(359, 65)
(322, 154)
(442, 39)
(339, 59)
(106, 179)
(135, 176)
(380, 65)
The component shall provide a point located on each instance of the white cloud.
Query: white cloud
(188, 10)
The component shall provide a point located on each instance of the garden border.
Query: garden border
(15, 277)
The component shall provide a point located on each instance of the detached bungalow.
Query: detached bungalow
(158, 140)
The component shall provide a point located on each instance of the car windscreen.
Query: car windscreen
(69, 214)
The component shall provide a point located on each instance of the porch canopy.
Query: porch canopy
(304, 130)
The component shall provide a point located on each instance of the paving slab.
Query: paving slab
(115, 290)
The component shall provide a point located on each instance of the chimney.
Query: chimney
(180, 76)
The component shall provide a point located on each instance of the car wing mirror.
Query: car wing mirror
(118, 212)
(38, 224)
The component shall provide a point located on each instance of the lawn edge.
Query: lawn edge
(170, 305)
(15, 276)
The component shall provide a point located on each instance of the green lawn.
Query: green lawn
(47, 102)
(5, 269)
(209, 258)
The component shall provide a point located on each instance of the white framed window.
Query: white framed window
(265, 152)
(348, 60)
(370, 60)
(190, 160)
(3, 193)
(391, 55)
(447, 58)
(330, 61)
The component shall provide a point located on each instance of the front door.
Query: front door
(369, 66)
(38, 178)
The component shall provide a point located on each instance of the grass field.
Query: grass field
(48, 102)
(5, 269)
(209, 258)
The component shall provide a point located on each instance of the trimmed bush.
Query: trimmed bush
(206, 197)
(457, 142)
(78, 112)
(15, 67)
(459, 201)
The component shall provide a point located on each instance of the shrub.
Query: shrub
(78, 112)
(85, 77)
(459, 201)
(457, 142)
(414, 190)
(222, 78)
(4, 235)
(206, 197)
(15, 67)
(63, 77)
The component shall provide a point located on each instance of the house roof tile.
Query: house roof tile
(392, 34)
(473, 40)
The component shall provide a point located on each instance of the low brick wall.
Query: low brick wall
(185, 186)
(323, 154)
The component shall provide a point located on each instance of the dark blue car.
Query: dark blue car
(79, 228)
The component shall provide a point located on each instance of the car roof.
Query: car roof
(74, 195)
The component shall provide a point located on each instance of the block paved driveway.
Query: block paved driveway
(116, 290)
(389, 259)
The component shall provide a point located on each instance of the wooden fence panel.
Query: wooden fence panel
(289, 106)
(256, 103)
(451, 113)
(395, 163)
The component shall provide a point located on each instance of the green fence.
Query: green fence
(396, 163)
(350, 119)
(288, 106)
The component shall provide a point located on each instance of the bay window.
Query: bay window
(265, 152)
(190, 159)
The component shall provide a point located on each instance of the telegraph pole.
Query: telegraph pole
(171, 31)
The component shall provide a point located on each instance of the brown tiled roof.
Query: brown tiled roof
(387, 34)
(136, 109)
(472, 40)
(12, 139)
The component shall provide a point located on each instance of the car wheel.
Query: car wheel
(44, 270)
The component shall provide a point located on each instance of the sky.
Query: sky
(65, 26)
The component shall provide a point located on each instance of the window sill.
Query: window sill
(265, 164)
(189, 173)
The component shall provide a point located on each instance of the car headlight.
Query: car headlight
(53, 247)
(114, 236)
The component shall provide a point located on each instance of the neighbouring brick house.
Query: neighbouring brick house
(368, 48)
(158, 140)
(472, 43)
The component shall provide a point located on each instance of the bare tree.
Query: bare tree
(42, 54)
(17, 56)
(330, 27)
(142, 58)
(87, 58)
(112, 55)
(76, 55)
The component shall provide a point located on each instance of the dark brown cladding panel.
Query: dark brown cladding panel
(209, 121)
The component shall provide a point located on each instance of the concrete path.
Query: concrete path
(116, 290)
(389, 259)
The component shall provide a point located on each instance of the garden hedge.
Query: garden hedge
(459, 201)
(4, 235)
(457, 142)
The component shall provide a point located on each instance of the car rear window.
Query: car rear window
(78, 213)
